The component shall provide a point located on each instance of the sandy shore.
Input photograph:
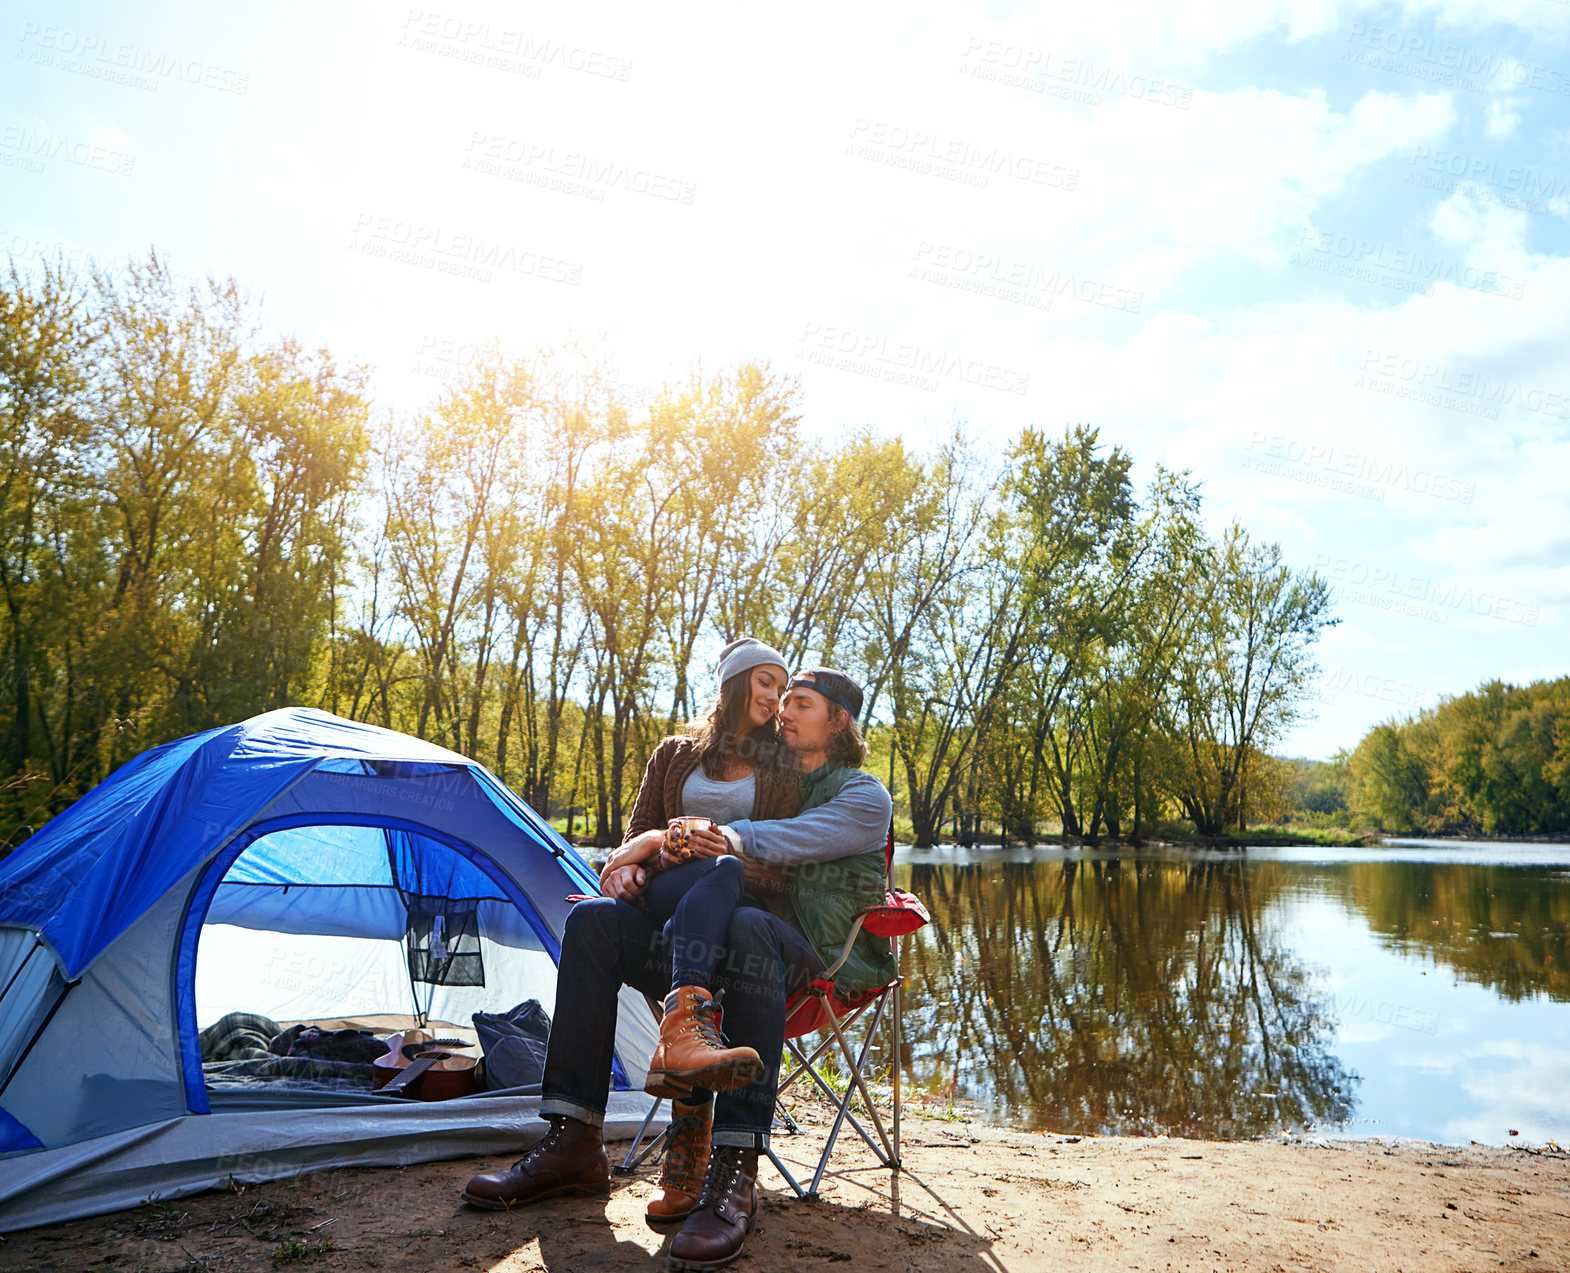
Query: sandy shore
(971, 1196)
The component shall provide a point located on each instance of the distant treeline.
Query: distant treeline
(199, 522)
(1492, 762)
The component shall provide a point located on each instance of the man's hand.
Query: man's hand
(638, 849)
(708, 843)
(762, 879)
(624, 882)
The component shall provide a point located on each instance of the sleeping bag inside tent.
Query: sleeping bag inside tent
(200, 958)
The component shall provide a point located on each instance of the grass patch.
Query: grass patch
(160, 1221)
(302, 1250)
(947, 1113)
(1322, 837)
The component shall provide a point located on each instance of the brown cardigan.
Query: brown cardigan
(778, 795)
(659, 796)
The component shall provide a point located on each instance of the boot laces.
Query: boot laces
(706, 1024)
(547, 1142)
(686, 1139)
(721, 1177)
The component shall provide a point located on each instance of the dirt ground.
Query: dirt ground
(971, 1196)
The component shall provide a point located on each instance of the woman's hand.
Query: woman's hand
(624, 883)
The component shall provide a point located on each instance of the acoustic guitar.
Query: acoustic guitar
(425, 1068)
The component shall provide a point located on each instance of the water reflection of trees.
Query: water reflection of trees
(1121, 997)
(1499, 926)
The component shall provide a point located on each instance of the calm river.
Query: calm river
(1414, 990)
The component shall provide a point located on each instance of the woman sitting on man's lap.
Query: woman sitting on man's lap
(727, 767)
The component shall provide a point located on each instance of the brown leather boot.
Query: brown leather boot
(686, 1158)
(692, 1054)
(717, 1229)
(569, 1159)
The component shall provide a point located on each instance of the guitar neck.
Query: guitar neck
(410, 1072)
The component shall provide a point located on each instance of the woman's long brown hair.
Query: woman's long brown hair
(727, 733)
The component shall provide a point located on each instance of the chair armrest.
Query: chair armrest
(829, 973)
(901, 915)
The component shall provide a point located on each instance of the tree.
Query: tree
(47, 525)
(1242, 678)
(191, 532)
(301, 425)
(927, 605)
(732, 438)
(1490, 762)
(1128, 616)
(1059, 548)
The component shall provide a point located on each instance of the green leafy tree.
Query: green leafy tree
(49, 525)
(1244, 673)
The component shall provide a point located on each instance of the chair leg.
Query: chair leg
(634, 1159)
(782, 1115)
(888, 1152)
(789, 1179)
(829, 1093)
(806, 1063)
(855, 1062)
(896, 1058)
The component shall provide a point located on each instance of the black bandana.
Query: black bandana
(838, 688)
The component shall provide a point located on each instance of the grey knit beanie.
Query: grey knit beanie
(746, 653)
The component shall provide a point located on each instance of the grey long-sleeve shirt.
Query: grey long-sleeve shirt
(854, 820)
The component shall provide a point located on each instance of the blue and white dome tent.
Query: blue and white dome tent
(298, 866)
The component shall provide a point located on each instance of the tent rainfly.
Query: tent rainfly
(298, 866)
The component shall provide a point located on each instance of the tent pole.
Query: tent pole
(38, 1033)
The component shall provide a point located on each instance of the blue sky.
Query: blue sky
(1314, 252)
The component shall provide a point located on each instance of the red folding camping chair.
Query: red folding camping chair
(819, 1008)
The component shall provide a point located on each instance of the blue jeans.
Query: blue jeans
(609, 943)
(699, 898)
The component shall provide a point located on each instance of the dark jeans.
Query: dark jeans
(609, 943)
(699, 897)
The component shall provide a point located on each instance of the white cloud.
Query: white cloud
(1549, 20)
(1487, 229)
(1158, 34)
(1242, 173)
(110, 136)
(1365, 1032)
(1526, 1097)
(1503, 118)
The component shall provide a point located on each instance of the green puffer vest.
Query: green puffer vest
(827, 896)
